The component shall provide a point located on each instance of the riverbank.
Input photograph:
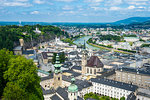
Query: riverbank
(105, 48)
(71, 40)
(80, 41)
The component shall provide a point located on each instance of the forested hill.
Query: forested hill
(143, 25)
(132, 20)
(10, 35)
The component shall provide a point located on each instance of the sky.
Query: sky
(72, 10)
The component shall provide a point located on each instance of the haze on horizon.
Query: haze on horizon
(72, 10)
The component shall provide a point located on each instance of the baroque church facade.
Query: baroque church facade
(91, 66)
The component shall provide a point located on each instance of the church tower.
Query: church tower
(73, 90)
(57, 74)
(84, 59)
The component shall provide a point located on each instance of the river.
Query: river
(81, 41)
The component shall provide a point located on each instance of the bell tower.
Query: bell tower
(84, 59)
(73, 90)
(57, 74)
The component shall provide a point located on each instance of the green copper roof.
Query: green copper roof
(73, 79)
(57, 71)
(57, 65)
(57, 62)
(57, 57)
(73, 88)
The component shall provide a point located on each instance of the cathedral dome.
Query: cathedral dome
(73, 87)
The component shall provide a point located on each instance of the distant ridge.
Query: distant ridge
(120, 22)
(132, 20)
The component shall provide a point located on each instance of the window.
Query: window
(91, 71)
(94, 71)
(58, 78)
(87, 70)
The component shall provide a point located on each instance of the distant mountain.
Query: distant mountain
(138, 25)
(132, 20)
(128, 21)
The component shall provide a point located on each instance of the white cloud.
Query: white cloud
(67, 12)
(139, 0)
(115, 8)
(67, 7)
(49, 13)
(114, 2)
(22, 0)
(131, 7)
(93, 1)
(141, 7)
(138, 3)
(39, 1)
(99, 8)
(17, 4)
(85, 14)
(34, 12)
(65, 0)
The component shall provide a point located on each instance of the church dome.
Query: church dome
(73, 88)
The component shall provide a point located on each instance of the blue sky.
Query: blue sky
(72, 10)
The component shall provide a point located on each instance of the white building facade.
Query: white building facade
(112, 88)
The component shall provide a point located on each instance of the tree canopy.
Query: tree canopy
(10, 35)
(20, 79)
(62, 57)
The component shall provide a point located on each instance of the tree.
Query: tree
(5, 56)
(122, 98)
(10, 35)
(54, 58)
(62, 57)
(23, 81)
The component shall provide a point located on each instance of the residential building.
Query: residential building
(137, 77)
